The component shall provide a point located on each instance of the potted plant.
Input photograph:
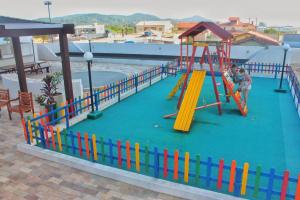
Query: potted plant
(56, 81)
(50, 96)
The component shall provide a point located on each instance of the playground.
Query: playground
(268, 136)
(194, 118)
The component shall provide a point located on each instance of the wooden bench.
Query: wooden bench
(28, 68)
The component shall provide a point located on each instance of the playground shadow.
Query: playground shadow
(231, 112)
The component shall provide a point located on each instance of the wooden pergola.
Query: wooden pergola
(15, 28)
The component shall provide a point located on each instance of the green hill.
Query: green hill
(80, 19)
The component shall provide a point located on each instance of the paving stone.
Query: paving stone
(26, 177)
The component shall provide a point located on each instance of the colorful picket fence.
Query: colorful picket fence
(294, 84)
(74, 107)
(247, 181)
(267, 69)
(167, 164)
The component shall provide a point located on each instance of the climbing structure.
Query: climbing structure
(222, 51)
(236, 95)
(222, 56)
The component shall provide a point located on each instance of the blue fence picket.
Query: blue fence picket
(42, 136)
(67, 116)
(270, 184)
(238, 181)
(208, 171)
(27, 133)
(92, 151)
(156, 163)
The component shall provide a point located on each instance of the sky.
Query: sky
(272, 12)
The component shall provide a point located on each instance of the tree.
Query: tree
(7, 40)
(263, 24)
(271, 31)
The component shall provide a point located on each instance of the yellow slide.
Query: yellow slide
(190, 100)
(177, 86)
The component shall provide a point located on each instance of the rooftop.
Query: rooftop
(254, 35)
(203, 26)
(235, 21)
(292, 39)
(186, 24)
(154, 23)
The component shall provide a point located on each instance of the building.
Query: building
(254, 38)
(95, 30)
(7, 52)
(184, 26)
(285, 29)
(235, 25)
(292, 39)
(161, 26)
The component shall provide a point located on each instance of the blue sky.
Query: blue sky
(273, 12)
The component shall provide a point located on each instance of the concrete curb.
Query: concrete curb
(146, 182)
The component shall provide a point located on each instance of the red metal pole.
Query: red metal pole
(187, 77)
(229, 53)
(214, 81)
(221, 62)
(180, 53)
(203, 55)
(187, 52)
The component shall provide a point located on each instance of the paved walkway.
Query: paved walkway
(26, 177)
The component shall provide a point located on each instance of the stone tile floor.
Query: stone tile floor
(29, 178)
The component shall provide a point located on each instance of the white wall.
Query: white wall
(10, 81)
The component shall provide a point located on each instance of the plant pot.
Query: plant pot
(50, 108)
(42, 108)
(59, 98)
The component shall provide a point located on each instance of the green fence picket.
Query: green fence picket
(257, 181)
(197, 177)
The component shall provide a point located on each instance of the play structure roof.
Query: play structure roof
(203, 26)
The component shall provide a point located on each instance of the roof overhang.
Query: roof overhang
(203, 26)
(32, 29)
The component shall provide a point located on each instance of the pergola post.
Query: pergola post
(66, 67)
(19, 63)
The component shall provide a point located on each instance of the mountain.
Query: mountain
(195, 18)
(80, 19)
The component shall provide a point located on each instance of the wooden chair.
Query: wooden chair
(25, 104)
(5, 100)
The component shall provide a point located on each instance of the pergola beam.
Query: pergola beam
(17, 31)
(66, 67)
(16, 28)
(19, 63)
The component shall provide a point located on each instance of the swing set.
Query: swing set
(191, 90)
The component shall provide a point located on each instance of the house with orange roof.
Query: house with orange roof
(234, 24)
(254, 38)
(184, 26)
(246, 34)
